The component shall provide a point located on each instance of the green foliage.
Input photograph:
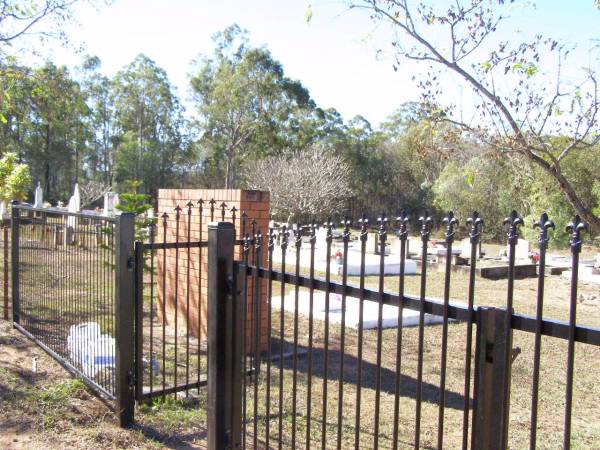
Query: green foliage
(138, 204)
(15, 179)
(481, 185)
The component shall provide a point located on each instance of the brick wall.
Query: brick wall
(175, 271)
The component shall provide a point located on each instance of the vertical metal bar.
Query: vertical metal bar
(402, 220)
(271, 246)
(257, 323)
(328, 240)
(345, 239)
(476, 225)
(492, 367)
(187, 298)
(450, 222)
(575, 228)
(363, 248)
(544, 224)
(223, 354)
(139, 320)
(176, 299)
(124, 324)
(246, 249)
(152, 357)
(200, 269)
(309, 362)
(14, 249)
(284, 244)
(426, 225)
(165, 218)
(298, 244)
(382, 237)
(5, 268)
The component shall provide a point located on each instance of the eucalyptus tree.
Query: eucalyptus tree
(247, 106)
(151, 145)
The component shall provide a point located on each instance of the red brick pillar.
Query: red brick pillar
(175, 282)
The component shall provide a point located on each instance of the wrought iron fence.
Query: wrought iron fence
(306, 337)
(319, 381)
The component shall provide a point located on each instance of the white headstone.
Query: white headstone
(39, 197)
(522, 249)
(77, 197)
(72, 208)
(109, 203)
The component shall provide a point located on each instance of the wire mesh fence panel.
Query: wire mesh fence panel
(66, 278)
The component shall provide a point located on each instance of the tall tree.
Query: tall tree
(520, 116)
(246, 103)
(149, 119)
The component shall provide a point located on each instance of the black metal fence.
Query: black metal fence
(338, 355)
(323, 382)
(70, 293)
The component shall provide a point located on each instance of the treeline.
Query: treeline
(79, 126)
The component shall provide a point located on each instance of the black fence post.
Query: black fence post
(139, 321)
(224, 340)
(492, 372)
(14, 249)
(124, 318)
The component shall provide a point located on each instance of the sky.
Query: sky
(334, 55)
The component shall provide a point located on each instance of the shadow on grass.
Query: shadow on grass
(408, 385)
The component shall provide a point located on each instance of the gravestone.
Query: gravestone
(109, 203)
(39, 197)
(522, 249)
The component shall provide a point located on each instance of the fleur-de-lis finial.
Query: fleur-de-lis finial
(402, 221)
(177, 213)
(258, 240)
(450, 221)
(165, 218)
(233, 216)
(329, 225)
(313, 233)
(514, 222)
(200, 205)
(382, 232)
(544, 224)
(223, 207)
(346, 226)
(476, 227)
(212, 202)
(298, 235)
(284, 237)
(271, 243)
(575, 228)
(364, 224)
(426, 226)
(189, 205)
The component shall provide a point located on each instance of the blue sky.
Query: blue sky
(334, 55)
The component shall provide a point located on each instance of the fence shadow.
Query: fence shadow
(408, 385)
